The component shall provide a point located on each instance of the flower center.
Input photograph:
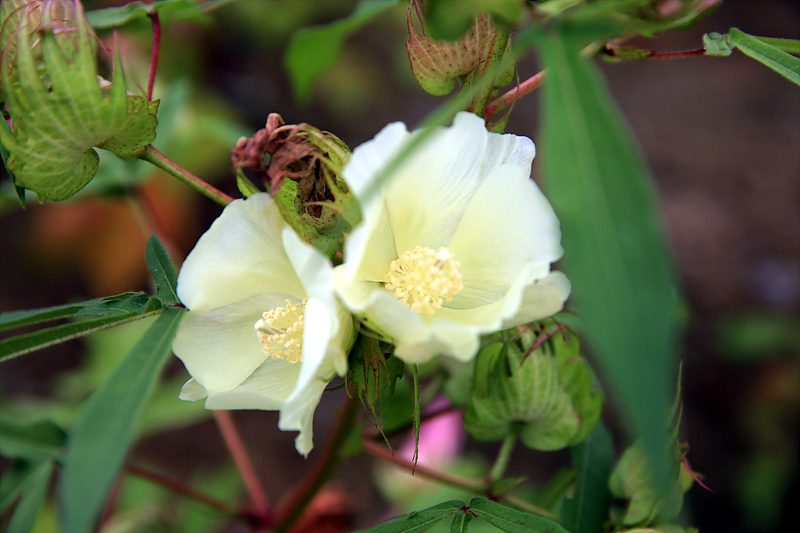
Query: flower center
(280, 330)
(422, 279)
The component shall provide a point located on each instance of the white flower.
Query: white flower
(457, 244)
(263, 330)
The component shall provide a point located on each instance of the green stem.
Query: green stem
(153, 156)
(322, 470)
(491, 69)
(500, 464)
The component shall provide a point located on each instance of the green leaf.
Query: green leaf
(31, 499)
(104, 428)
(587, 511)
(32, 441)
(615, 252)
(417, 522)
(59, 111)
(30, 342)
(120, 305)
(781, 62)
(16, 319)
(313, 50)
(787, 45)
(162, 270)
(511, 520)
(717, 44)
(460, 523)
(13, 481)
(111, 17)
(373, 375)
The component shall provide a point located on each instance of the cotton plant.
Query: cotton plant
(416, 271)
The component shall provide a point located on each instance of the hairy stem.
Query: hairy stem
(184, 490)
(526, 87)
(323, 468)
(153, 156)
(234, 443)
(154, 54)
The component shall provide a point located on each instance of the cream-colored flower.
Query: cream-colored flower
(264, 330)
(457, 244)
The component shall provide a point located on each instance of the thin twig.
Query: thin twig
(234, 443)
(179, 488)
(154, 54)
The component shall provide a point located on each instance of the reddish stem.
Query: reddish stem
(154, 54)
(234, 443)
(521, 90)
(675, 55)
(183, 490)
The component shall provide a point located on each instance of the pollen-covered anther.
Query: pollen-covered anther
(280, 331)
(423, 278)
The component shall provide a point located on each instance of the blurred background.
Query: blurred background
(721, 135)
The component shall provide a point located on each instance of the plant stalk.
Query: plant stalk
(153, 156)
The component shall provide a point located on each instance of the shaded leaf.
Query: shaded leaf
(30, 342)
(13, 481)
(103, 431)
(313, 50)
(511, 520)
(32, 441)
(246, 187)
(117, 16)
(615, 252)
(59, 111)
(461, 520)
(31, 499)
(587, 511)
(419, 521)
(163, 271)
(16, 319)
(781, 62)
(120, 305)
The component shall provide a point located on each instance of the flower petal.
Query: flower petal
(240, 256)
(298, 414)
(509, 225)
(192, 391)
(220, 347)
(430, 193)
(544, 298)
(266, 388)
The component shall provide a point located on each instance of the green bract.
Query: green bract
(546, 395)
(58, 109)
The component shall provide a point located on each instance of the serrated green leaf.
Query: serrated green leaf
(313, 50)
(417, 522)
(32, 441)
(56, 125)
(511, 520)
(32, 498)
(546, 395)
(163, 271)
(460, 523)
(781, 62)
(587, 510)
(717, 44)
(615, 252)
(104, 428)
(30, 342)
